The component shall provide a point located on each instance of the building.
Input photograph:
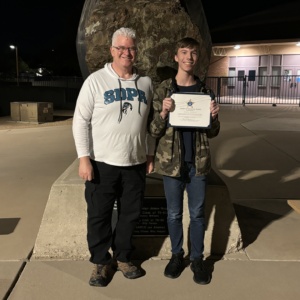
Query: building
(257, 72)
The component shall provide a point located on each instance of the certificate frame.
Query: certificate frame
(191, 110)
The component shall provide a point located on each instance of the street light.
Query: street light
(17, 61)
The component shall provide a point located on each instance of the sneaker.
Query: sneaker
(129, 270)
(175, 266)
(201, 275)
(100, 275)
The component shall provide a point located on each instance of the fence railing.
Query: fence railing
(284, 89)
(47, 81)
(244, 90)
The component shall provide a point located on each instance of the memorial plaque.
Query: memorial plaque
(153, 220)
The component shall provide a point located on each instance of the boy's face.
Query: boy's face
(186, 58)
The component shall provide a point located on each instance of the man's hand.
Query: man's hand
(86, 171)
(150, 164)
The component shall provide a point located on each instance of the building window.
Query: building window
(276, 60)
(241, 75)
(262, 73)
(251, 75)
(287, 75)
(263, 60)
(275, 79)
(231, 77)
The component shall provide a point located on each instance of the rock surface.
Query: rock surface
(159, 24)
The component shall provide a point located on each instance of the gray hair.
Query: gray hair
(123, 31)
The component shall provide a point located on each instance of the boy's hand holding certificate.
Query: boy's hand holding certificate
(191, 110)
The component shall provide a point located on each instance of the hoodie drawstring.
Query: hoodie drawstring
(135, 82)
(121, 113)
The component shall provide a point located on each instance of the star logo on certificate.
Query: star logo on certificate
(190, 103)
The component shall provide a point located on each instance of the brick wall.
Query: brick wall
(218, 66)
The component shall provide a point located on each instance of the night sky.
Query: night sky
(45, 31)
(255, 20)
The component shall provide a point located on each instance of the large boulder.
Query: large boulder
(159, 25)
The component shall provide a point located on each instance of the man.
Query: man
(183, 158)
(115, 153)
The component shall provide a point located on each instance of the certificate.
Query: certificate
(191, 110)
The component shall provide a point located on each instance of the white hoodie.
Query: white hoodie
(110, 118)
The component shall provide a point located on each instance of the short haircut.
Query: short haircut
(123, 31)
(187, 42)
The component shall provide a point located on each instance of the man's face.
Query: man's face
(187, 58)
(124, 52)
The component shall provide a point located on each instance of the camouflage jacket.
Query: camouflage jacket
(168, 157)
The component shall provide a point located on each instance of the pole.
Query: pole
(17, 65)
(17, 61)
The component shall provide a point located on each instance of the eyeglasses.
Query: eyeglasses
(122, 49)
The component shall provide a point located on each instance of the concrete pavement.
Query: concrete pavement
(257, 155)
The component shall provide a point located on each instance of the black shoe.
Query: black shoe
(129, 270)
(175, 266)
(201, 275)
(100, 275)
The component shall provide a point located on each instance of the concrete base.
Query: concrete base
(62, 234)
(295, 204)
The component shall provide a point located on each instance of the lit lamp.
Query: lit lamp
(17, 61)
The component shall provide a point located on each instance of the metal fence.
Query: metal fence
(46, 81)
(284, 89)
(256, 90)
(58, 81)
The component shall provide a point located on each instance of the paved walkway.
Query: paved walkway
(257, 154)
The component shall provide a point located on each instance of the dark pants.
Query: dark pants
(111, 183)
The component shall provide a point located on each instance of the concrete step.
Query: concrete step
(295, 204)
(62, 234)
